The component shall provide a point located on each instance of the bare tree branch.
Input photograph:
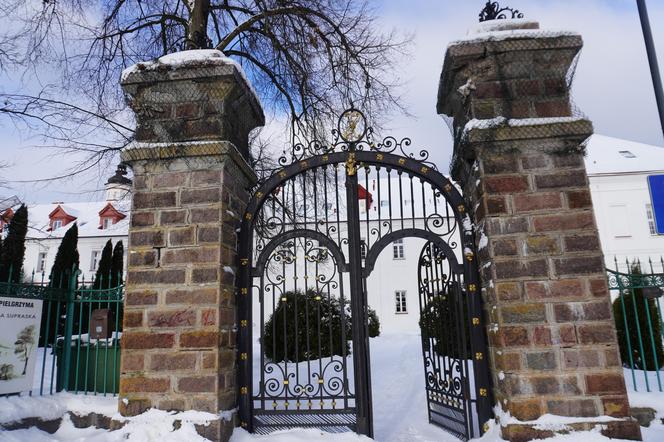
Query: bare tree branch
(308, 59)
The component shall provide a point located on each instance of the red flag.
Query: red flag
(364, 194)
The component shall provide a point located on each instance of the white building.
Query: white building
(618, 172)
(97, 223)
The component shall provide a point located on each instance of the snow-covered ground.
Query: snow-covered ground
(399, 410)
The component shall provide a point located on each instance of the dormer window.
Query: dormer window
(61, 217)
(109, 216)
(5, 218)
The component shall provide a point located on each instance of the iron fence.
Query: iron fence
(636, 294)
(80, 331)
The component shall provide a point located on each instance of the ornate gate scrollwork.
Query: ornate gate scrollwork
(310, 237)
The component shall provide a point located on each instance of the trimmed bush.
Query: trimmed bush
(440, 321)
(644, 307)
(315, 312)
(374, 323)
(308, 313)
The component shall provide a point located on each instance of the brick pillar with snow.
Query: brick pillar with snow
(194, 111)
(518, 156)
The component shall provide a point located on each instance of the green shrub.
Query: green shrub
(374, 323)
(440, 322)
(315, 312)
(640, 314)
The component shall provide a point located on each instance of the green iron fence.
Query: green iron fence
(636, 293)
(78, 348)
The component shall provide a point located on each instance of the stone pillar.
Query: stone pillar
(519, 158)
(194, 111)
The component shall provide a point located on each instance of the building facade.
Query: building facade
(618, 172)
(98, 222)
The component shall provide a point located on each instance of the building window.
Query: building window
(651, 220)
(397, 246)
(619, 221)
(57, 224)
(400, 299)
(41, 262)
(384, 203)
(106, 223)
(94, 260)
(626, 154)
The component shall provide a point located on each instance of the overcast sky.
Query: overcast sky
(612, 84)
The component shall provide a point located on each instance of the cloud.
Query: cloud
(612, 85)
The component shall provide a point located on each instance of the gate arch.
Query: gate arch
(309, 239)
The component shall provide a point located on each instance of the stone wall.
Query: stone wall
(190, 185)
(551, 333)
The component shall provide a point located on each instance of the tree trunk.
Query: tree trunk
(25, 366)
(198, 21)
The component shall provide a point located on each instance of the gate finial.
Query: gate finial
(493, 11)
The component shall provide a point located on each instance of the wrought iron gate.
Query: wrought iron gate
(310, 237)
(446, 346)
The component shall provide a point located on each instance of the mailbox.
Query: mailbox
(652, 292)
(100, 321)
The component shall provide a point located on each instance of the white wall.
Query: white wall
(390, 275)
(620, 210)
(33, 247)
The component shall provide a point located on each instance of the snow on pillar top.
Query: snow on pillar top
(190, 98)
(510, 69)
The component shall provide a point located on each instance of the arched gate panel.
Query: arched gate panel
(309, 239)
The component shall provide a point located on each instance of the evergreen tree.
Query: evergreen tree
(102, 278)
(117, 269)
(374, 323)
(633, 307)
(117, 266)
(66, 259)
(13, 249)
(444, 322)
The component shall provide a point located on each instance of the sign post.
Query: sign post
(20, 320)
